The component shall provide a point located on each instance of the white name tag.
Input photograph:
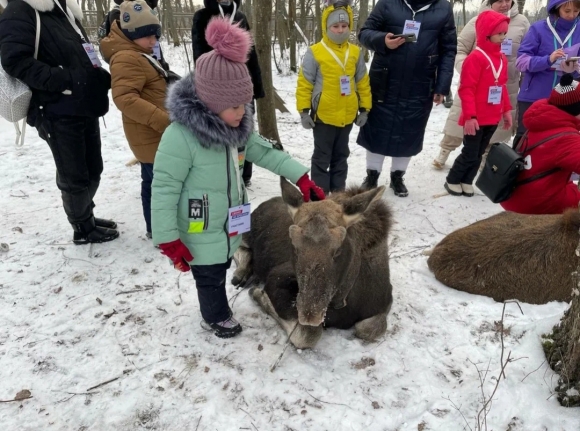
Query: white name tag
(92, 54)
(507, 47)
(412, 27)
(239, 220)
(558, 64)
(157, 51)
(494, 95)
(345, 85)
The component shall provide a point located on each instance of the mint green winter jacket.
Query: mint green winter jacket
(197, 175)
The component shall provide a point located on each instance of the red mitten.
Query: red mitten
(178, 253)
(307, 186)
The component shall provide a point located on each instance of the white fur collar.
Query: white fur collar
(48, 5)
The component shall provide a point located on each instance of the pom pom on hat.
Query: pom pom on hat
(221, 77)
(566, 95)
(229, 41)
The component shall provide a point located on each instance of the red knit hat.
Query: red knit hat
(566, 95)
(221, 77)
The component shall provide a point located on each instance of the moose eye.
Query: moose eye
(337, 254)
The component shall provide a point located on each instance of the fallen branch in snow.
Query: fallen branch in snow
(459, 410)
(103, 384)
(326, 402)
(23, 195)
(501, 330)
(15, 399)
(532, 372)
(198, 421)
(74, 394)
(273, 367)
(133, 291)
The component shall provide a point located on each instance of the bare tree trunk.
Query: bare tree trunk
(521, 5)
(464, 14)
(248, 10)
(292, 31)
(102, 9)
(302, 21)
(318, 20)
(266, 108)
(363, 14)
(170, 22)
(563, 353)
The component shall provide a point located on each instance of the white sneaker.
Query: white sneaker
(439, 161)
(453, 189)
(467, 190)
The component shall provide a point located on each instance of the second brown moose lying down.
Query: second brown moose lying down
(529, 258)
(322, 263)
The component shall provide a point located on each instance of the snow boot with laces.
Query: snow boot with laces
(398, 184)
(371, 180)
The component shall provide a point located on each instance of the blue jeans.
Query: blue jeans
(146, 180)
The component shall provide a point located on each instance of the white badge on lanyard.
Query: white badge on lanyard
(344, 79)
(239, 219)
(157, 51)
(558, 63)
(92, 54)
(494, 94)
(412, 26)
(507, 47)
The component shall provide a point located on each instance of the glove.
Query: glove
(308, 187)
(306, 120)
(470, 127)
(507, 120)
(178, 253)
(361, 118)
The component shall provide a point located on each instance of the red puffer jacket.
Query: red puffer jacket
(555, 192)
(477, 75)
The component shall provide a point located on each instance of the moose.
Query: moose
(530, 258)
(322, 263)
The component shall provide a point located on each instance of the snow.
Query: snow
(65, 326)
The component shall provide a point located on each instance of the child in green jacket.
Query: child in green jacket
(199, 206)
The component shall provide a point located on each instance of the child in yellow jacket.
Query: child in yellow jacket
(333, 92)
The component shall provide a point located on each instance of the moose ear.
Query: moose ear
(291, 196)
(354, 207)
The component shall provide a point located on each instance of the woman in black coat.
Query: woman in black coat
(201, 19)
(406, 78)
(69, 94)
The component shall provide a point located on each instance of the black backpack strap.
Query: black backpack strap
(537, 144)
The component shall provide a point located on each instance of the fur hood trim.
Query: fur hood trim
(185, 108)
(48, 5)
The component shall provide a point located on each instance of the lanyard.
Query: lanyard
(423, 9)
(71, 20)
(234, 155)
(232, 15)
(493, 69)
(557, 36)
(331, 52)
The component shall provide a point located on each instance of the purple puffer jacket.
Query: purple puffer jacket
(534, 54)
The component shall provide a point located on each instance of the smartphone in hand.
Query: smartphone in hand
(408, 37)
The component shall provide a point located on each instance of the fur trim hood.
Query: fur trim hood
(48, 5)
(185, 108)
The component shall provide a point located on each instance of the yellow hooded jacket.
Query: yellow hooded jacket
(319, 80)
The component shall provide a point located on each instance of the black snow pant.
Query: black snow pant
(75, 143)
(329, 166)
(210, 281)
(466, 165)
(146, 181)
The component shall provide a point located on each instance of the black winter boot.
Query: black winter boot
(88, 232)
(102, 222)
(371, 180)
(398, 184)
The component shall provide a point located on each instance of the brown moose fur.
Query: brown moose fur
(321, 262)
(511, 256)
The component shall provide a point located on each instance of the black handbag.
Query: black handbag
(498, 179)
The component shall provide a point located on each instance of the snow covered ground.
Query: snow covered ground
(67, 323)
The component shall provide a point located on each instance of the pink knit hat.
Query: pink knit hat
(221, 77)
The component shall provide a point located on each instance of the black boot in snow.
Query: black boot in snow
(227, 329)
(102, 222)
(88, 232)
(398, 184)
(371, 180)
